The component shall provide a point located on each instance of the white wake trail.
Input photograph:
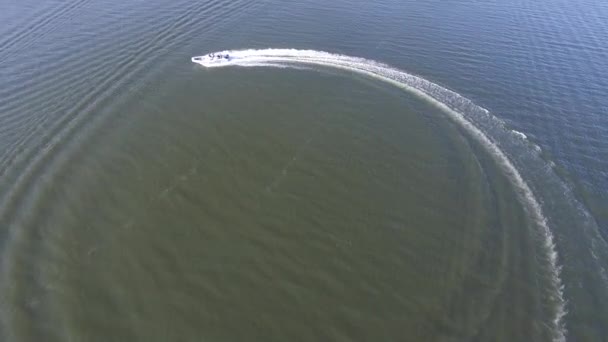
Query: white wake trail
(460, 109)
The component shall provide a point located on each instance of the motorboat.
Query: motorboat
(212, 59)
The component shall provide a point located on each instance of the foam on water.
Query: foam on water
(520, 134)
(460, 109)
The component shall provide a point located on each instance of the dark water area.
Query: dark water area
(147, 198)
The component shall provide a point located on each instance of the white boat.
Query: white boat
(213, 59)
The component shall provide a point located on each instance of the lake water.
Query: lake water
(412, 171)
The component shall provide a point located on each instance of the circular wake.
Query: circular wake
(471, 117)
